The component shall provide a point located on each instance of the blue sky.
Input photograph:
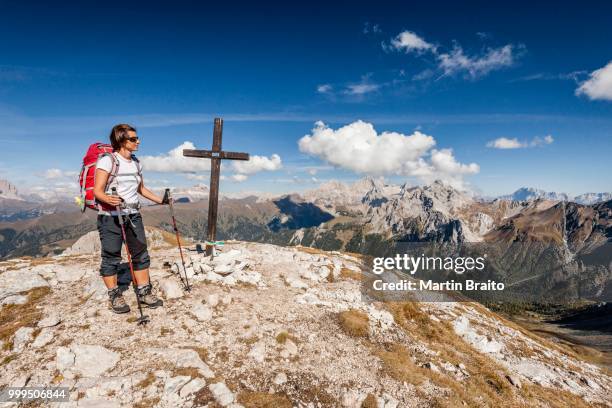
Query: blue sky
(461, 75)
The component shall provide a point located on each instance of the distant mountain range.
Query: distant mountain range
(369, 217)
(530, 194)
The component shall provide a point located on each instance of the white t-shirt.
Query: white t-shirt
(127, 180)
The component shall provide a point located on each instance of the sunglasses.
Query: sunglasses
(132, 139)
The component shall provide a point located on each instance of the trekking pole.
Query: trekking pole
(142, 319)
(178, 240)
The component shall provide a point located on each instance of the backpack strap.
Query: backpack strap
(114, 169)
(112, 175)
(138, 166)
(83, 176)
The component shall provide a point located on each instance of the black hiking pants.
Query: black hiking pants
(111, 241)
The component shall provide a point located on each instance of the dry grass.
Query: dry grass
(41, 261)
(148, 380)
(307, 389)
(8, 359)
(202, 352)
(398, 364)
(354, 323)
(263, 400)
(347, 273)
(330, 275)
(249, 340)
(485, 386)
(164, 331)
(147, 403)
(570, 350)
(57, 378)
(283, 336)
(369, 402)
(188, 371)
(13, 317)
(311, 251)
(170, 238)
(554, 398)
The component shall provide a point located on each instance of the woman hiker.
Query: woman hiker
(122, 170)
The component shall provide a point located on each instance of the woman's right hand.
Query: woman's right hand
(112, 200)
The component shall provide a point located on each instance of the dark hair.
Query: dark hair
(118, 135)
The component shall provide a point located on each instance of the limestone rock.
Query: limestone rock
(51, 320)
(22, 337)
(174, 384)
(202, 312)
(290, 349)
(212, 300)
(98, 403)
(432, 366)
(64, 359)
(171, 289)
(483, 344)
(88, 244)
(280, 379)
(93, 360)
(16, 281)
(258, 352)
(192, 387)
(184, 358)
(45, 337)
(70, 274)
(514, 380)
(14, 300)
(222, 394)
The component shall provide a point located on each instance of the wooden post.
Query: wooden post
(213, 198)
(216, 155)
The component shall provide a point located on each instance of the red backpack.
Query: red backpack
(88, 172)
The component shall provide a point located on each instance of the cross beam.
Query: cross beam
(216, 155)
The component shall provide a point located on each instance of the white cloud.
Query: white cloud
(444, 162)
(361, 88)
(198, 169)
(456, 61)
(324, 88)
(52, 174)
(239, 178)
(175, 162)
(257, 164)
(198, 177)
(514, 143)
(475, 66)
(408, 41)
(599, 84)
(505, 143)
(358, 147)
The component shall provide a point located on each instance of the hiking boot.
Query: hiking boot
(117, 302)
(147, 298)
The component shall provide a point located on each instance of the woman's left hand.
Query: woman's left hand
(166, 200)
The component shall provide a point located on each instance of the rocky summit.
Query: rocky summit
(269, 326)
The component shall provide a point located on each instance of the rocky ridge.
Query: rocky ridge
(7, 190)
(269, 326)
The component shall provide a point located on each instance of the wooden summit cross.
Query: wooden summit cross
(216, 155)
